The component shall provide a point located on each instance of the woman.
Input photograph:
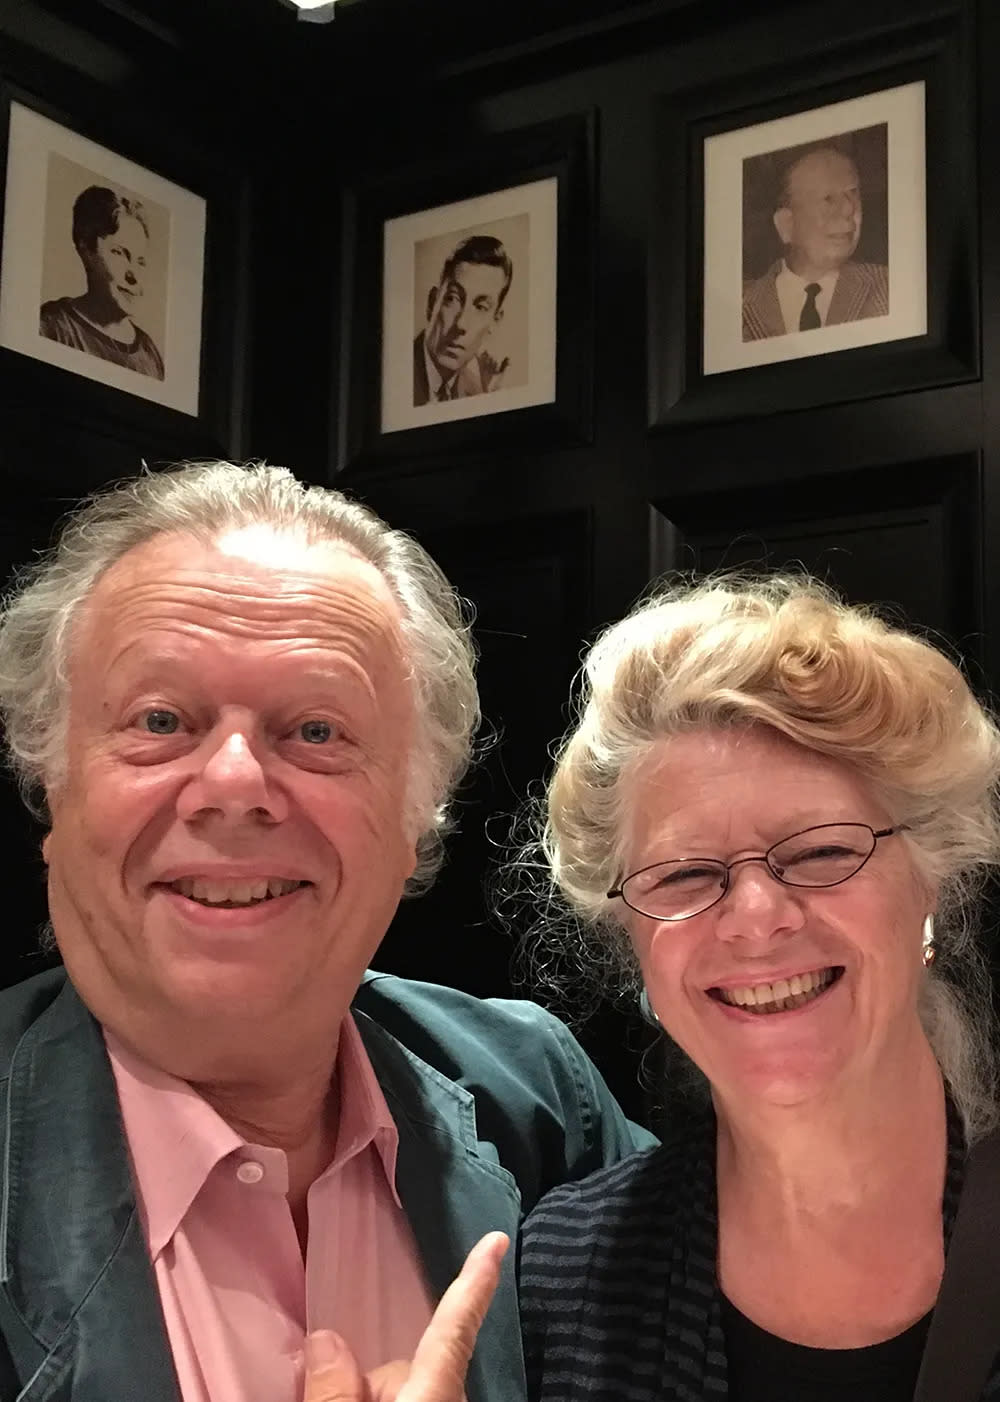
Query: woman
(111, 237)
(774, 808)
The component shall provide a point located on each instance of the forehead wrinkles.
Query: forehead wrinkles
(346, 613)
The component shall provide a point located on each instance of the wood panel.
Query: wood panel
(904, 536)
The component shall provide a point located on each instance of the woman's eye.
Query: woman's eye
(161, 722)
(316, 732)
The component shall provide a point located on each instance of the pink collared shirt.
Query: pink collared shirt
(237, 1296)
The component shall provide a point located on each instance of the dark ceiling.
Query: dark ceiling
(388, 43)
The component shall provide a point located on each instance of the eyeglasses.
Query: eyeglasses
(821, 856)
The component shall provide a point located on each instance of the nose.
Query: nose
(231, 783)
(844, 208)
(129, 275)
(757, 907)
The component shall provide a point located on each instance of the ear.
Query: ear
(46, 844)
(431, 299)
(783, 220)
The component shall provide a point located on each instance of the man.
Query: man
(244, 706)
(816, 283)
(111, 237)
(450, 360)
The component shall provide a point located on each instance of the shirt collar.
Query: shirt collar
(435, 379)
(176, 1138)
(826, 282)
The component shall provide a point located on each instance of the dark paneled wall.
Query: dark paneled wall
(876, 467)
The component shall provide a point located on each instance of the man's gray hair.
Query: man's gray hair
(204, 500)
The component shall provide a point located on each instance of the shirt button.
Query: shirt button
(250, 1171)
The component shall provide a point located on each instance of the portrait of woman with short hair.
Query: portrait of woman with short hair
(111, 236)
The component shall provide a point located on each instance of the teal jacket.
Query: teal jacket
(494, 1101)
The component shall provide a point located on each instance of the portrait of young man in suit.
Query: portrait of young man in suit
(450, 356)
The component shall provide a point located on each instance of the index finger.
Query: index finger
(442, 1356)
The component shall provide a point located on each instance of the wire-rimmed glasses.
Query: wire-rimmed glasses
(825, 855)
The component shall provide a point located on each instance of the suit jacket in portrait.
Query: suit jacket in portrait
(862, 291)
(494, 1101)
(473, 378)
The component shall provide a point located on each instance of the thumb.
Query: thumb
(332, 1372)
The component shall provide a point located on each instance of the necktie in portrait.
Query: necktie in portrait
(809, 320)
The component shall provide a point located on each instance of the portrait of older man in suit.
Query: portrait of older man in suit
(816, 281)
(450, 355)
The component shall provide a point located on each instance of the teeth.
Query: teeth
(781, 995)
(214, 892)
(233, 893)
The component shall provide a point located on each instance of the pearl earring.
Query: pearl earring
(929, 947)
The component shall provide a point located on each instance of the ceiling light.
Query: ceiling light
(315, 11)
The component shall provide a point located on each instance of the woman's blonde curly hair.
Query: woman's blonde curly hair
(785, 652)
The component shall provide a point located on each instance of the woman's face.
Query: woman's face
(732, 794)
(116, 265)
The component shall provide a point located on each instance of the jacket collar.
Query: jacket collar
(453, 1193)
(73, 1258)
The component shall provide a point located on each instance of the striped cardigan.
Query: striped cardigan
(619, 1296)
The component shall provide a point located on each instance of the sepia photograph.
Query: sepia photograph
(471, 332)
(815, 231)
(469, 307)
(102, 264)
(816, 235)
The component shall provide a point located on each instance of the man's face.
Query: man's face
(821, 224)
(116, 265)
(230, 840)
(461, 314)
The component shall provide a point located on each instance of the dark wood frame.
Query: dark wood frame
(218, 428)
(565, 149)
(936, 52)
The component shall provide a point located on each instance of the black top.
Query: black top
(620, 1301)
(764, 1368)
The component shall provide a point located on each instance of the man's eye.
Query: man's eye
(161, 722)
(316, 732)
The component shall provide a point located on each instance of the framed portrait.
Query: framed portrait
(798, 214)
(825, 247)
(102, 264)
(469, 307)
(468, 301)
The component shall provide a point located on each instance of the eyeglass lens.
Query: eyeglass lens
(820, 856)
